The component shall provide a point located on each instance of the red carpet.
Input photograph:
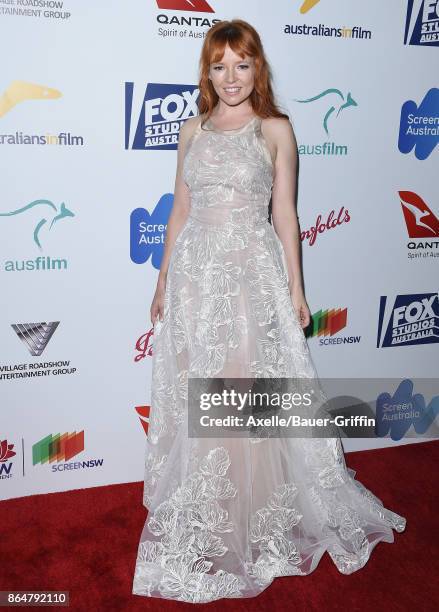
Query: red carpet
(85, 541)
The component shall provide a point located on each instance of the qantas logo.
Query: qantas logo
(420, 220)
(143, 412)
(200, 6)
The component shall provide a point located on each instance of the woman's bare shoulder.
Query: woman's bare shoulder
(277, 125)
(278, 130)
(190, 125)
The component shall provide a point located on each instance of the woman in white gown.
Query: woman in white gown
(226, 515)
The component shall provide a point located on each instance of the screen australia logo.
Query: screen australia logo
(154, 115)
(398, 413)
(147, 232)
(331, 105)
(419, 125)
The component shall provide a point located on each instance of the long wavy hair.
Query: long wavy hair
(243, 40)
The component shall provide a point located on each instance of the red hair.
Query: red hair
(243, 39)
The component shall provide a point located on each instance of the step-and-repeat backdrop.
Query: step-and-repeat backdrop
(92, 96)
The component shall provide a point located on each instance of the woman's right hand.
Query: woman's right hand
(158, 302)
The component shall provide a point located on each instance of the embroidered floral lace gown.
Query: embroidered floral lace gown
(228, 515)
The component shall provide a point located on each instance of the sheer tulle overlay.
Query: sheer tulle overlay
(228, 515)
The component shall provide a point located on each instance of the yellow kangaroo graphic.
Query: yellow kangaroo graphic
(308, 5)
(19, 91)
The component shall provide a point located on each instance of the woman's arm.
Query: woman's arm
(284, 212)
(177, 218)
(182, 201)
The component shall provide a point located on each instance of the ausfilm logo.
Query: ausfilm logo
(422, 23)
(422, 226)
(328, 323)
(6, 454)
(411, 319)
(40, 216)
(154, 115)
(18, 92)
(35, 337)
(331, 105)
(59, 449)
(322, 225)
(173, 17)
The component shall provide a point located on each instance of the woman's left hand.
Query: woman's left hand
(300, 306)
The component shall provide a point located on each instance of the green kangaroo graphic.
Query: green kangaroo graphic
(349, 102)
(63, 212)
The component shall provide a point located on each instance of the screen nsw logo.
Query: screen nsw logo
(422, 23)
(153, 116)
(147, 232)
(413, 319)
(419, 125)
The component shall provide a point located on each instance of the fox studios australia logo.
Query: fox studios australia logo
(422, 23)
(153, 118)
(413, 319)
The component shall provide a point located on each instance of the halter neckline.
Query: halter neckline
(232, 130)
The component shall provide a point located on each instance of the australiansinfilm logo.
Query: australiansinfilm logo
(355, 32)
(422, 23)
(36, 99)
(35, 337)
(411, 319)
(154, 114)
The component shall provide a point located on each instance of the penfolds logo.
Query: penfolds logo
(322, 226)
(144, 345)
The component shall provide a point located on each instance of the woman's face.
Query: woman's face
(233, 78)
